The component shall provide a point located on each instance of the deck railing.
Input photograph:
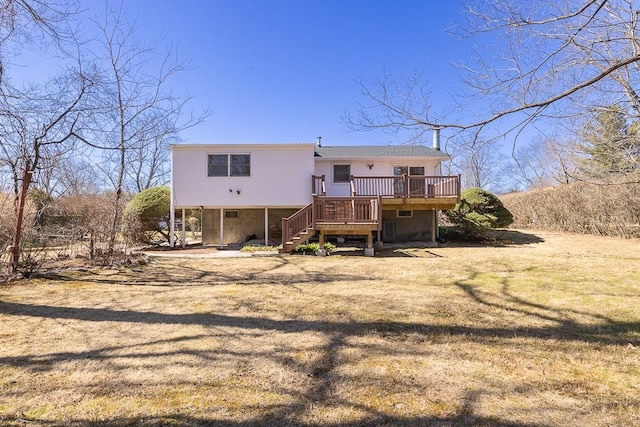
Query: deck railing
(347, 210)
(406, 186)
(332, 210)
(318, 185)
(297, 223)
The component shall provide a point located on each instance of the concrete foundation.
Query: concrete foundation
(249, 222)
(417, 228)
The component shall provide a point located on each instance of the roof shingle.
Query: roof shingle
(371, 151)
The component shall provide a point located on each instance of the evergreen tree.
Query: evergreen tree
(147, 215)
(612, 145)
(478, 211)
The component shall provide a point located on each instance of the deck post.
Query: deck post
(321, 241)
(405, 188)
(221, 227)
(434, 226)
(172, 225)
(369, 251)
(183, 231)
(266, 226)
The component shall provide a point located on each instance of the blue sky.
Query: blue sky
(285, 70)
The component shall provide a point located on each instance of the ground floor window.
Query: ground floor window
(232, 214)
(404, 213)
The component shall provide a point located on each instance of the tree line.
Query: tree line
(75, 145)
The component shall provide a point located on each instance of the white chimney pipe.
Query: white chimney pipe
(319, 141)
(436, 138)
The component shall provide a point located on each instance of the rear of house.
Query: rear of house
(242, 190)
(286, 193)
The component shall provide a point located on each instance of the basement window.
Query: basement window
(404, 214)
(232, 214)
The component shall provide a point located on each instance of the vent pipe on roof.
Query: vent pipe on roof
(319, 141)
(436, 137)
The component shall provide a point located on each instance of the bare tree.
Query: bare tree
(39, 124)
(482, 167)
(68, 175)
(140, 116)
(552, 61)
(542, 163)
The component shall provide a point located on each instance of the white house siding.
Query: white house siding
(280, 176)
(360, 167)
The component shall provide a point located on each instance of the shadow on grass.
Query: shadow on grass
(323, 372)
(493, 238)
(458, 420)
(173, 273)
(608, 331)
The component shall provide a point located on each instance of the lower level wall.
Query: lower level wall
(400, 229)
(248, 223)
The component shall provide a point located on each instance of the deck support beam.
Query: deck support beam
(369, 251)
(434, 226)
(183, 231)
(221, 227)
(266, 226)
(321, 241)
(172, 224)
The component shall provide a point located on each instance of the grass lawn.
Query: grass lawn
(543, 330)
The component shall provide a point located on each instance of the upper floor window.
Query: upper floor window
(240, 165)
(341, 173)
(228, 165)
(408, 170)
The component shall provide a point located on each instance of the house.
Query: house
(287, 193)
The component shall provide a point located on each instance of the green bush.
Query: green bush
(312, 248)
(478, 211)
(147, 215)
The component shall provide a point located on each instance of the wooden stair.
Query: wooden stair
(331, 215)
(297, 229)
(299, 239)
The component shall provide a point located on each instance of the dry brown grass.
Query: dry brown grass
(531, 333)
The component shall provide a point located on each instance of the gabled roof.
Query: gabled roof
(374, 151)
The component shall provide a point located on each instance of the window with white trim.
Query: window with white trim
(408, 170)
(229, 165)
(341, 173)
(404, 213)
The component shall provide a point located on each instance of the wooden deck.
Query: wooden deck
(410, 192)
(361, 213)
(332, 215)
